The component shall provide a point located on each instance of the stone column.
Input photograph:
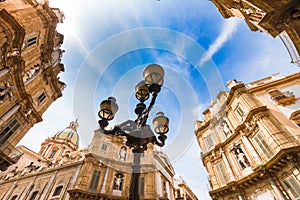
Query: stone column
(277, 191)
(8, 194)
(105, 180)
(49, 186)
(48, 150)
(28, 189)
(249, 146)
(227, 165)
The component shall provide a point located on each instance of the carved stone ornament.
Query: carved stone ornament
(250, 12)
(262, 194)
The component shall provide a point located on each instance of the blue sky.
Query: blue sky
(109, 42)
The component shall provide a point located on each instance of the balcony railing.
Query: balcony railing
(10, 153)
(284, 98)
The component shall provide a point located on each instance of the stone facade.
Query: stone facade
(183, 191)
(110, 152)
(250, 140)
(30, 58)
(47, 174)
(103, 171)
(273, 17)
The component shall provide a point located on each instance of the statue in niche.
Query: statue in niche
(118, 181)
(2, 94)
(33, 71)
(13, 53)
(123, 153)
(225, 128)
(6, 90)
(241, 158)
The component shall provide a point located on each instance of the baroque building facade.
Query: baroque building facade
(183, 191)
(250, 140)
(277, 18)
(30, 58)
(102, 171)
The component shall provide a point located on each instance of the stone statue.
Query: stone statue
(225, 128)
(12, 173)
(123, 153)
(241, 158)
(31, 72)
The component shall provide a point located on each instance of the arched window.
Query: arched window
(34, 194)
(57, 190)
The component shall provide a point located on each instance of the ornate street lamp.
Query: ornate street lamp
(137, 132)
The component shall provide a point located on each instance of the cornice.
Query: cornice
(43, 172)
(233, 91)
(282, 81)
(197, 132)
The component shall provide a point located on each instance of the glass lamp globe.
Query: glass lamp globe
(161, 123)
(154, 74)
(108, 109)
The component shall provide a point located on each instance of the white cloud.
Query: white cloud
(229, 27)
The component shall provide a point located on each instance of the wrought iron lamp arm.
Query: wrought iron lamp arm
(155, 141)
(142, 118)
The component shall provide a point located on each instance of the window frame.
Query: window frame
(239, 111)
(209, 141)
(61, 187)
(41, 97)
(104, 147)
(295, 191)
(94, 182)
(263, 145)
(31, 41)
(222, 175)
(142, 187)
(9, 129)
(53, 152)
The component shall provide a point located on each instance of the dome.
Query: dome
(69, 133)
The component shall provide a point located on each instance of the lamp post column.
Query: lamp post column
(135, 176)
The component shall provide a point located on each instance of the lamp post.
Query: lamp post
(138, 132)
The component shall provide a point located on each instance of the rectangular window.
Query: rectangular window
(94, 181)
(141, 186)
(52, 154)
(293, 186)
(239, 111)
(31, 41)
(263, 145)
(8, 130)
(58, 190)
(221, 173)
(104, 147)
(41, 97)
(178, 193)
(209, 142)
